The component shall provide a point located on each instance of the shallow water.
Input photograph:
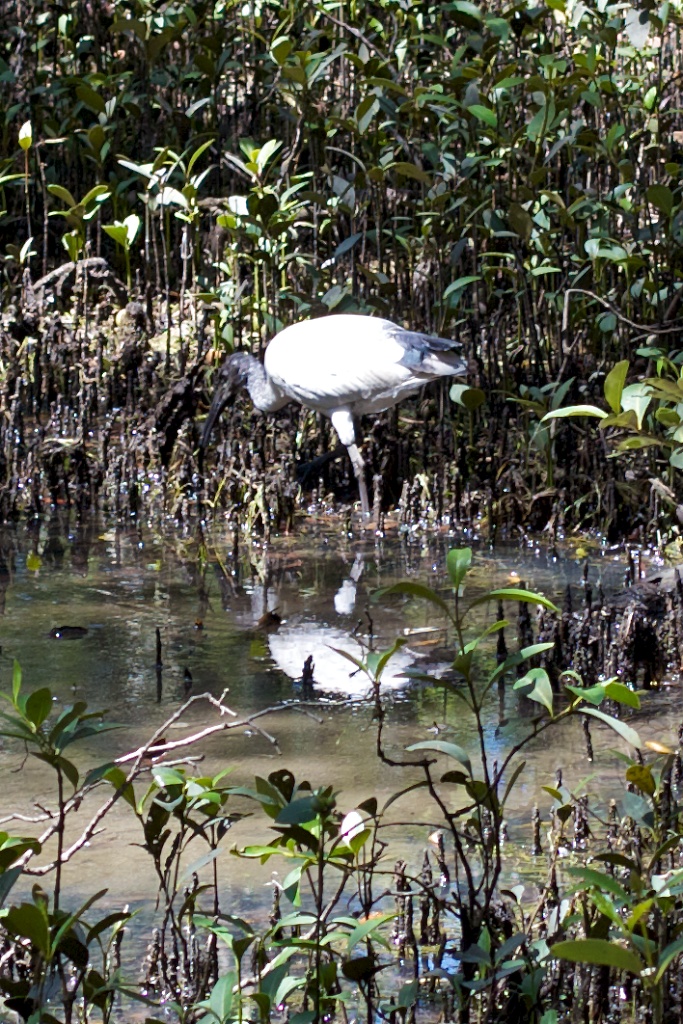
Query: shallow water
(207, 597)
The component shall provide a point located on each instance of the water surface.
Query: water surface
(207, 595)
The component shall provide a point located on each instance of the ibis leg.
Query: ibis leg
(359, 473)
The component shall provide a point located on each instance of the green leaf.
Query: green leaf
(463, 661)
(605, 905)
(625, 731)
(554, 793)
(97, 194)
(16, 681)
(662, 198)
(458, 562)
(593, 694)
(516, 659)
(633, 805)
(665, 389)
(69, 769)
(132, 225)
(17, 729)
(110, 921)
(347, 244)
(589, 877)
(280, 49)
(26, 135)
(641, 777)
(349, 657)
(515, 594)
(169, 196)
(165, 777)
(12, 848)
(117, 778)
(30, 922)
(668, 417)
(455, 778)
(68, 922)
(614, 385)
(598, 951)
(574, 410)
(630, 444)
(90, 98)
(636, 398)
(466, 396)
(455, 288)
(205, 101)
(650, 97)
(619, 859)
(604, 248)
(287, 985)
(196, 155)
(474, 954)
(622, 694)
(267, 150)
(495, 627)
(220, 1000)
(442, 747)
(8, 880)
(626, 419)
(669, 844)
(484, 114)
(38, 706)
(73, 243)
(668, 954)
(541, 691)
(472, 10)
(299, 812)
(362, 931)
(545, 269)
(357, 969)
(411, 171)
(63, 194)
(118, 233)
(415, 590)
(538, 125)
(520, 221)
(365, 112)
(376, 661)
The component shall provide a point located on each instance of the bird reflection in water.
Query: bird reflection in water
(307, 651)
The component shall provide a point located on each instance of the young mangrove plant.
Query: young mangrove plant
(473, 817)
(54, 956)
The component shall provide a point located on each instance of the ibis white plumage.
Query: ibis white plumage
(344, 366)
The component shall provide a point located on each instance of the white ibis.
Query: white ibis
(343, 365)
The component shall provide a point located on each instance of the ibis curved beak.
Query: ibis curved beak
(225, 391)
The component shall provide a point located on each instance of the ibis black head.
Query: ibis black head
(233, 376)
